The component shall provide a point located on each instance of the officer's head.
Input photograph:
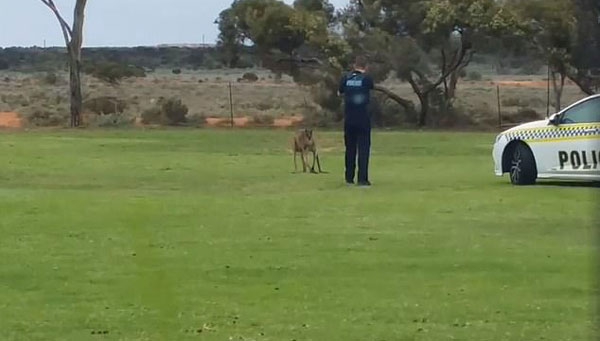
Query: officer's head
(360, 64)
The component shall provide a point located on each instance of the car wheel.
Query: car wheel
(522, 166)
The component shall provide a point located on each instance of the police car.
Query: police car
(566, 146)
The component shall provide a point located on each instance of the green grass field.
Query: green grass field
(206, 234)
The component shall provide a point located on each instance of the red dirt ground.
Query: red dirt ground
(10, 120)
(284, 122)
(529, 84)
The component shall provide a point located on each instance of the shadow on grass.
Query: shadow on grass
(569, 184)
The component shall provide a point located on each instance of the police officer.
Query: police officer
(356, 87)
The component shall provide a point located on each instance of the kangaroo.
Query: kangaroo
(304, 143)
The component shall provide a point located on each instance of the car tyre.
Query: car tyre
(522, 166)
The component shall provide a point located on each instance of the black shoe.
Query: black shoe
(364, 183)
(349, 183)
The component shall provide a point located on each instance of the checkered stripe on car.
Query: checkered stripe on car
(558, 133)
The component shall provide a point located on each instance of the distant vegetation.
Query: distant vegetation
(39, 59)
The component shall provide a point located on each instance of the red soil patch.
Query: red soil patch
(283, 122)
(287, 122)
(10, 120)
(527, 84)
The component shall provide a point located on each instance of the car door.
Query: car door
(576, 146)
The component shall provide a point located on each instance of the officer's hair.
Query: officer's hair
(360, 62)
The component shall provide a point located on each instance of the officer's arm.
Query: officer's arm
(342, 86)
(370, 83)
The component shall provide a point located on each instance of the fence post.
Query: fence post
(231, 103)
(499, 107)
(548, 92)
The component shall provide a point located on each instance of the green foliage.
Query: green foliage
(318, 6)
(169, 111)
(268, 23)
(230, 38)
(113, 72)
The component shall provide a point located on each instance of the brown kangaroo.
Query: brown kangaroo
(304, 143)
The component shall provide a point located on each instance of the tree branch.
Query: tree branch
(582, 82)
(452, 68)
(406, 104)
(66, 29)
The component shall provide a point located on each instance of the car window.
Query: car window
(586, 112)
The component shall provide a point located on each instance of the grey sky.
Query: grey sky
(116, 22)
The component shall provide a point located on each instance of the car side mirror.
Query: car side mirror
(555, 119)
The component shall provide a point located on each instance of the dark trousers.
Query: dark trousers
(357, 139)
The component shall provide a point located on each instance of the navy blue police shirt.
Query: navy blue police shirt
(356, 88)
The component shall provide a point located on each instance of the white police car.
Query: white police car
(566, 146)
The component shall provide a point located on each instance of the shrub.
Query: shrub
(4, 65)
(152, 116)
(318, 118)
(167, 111)
(176, 71)
(265, 105)
(196, 120)
(263, 119)
(50, 78)
(474, 76)
(527, 114)
(105, 105)
(250, 77)
(385, 113)
(47, 117)
(15, 100)
(112, 72)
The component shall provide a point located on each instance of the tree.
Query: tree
(73, 36)
(323, 6)
(230, 39)
(552, 27)
(567, 33)
(411, 40)
(586, 59)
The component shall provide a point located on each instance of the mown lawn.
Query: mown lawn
(206, 234)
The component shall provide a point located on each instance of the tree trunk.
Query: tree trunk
(453, 83)
(73, 39)
(423, 100)
(75, 90)
(558, 89)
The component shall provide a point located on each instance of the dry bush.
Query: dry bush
(170, 111)
(105, 105)
(263, 119)
(47, 116)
